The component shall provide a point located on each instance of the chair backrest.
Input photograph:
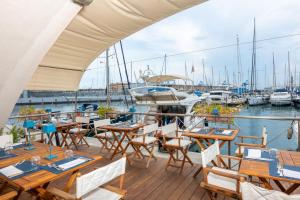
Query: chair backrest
(210, 153)
(85, 120)
(89, 182)
(150, 128)
(169, 128)
(250, 191)
(197, 122)
(4, 139)
(264, 136)
(102, 122)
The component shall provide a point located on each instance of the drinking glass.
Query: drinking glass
(69, 154)
(35, 161)
(273, 153)
(280, 168)
(8, 147)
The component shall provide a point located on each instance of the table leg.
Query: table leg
(116, 151)
(266, 183)
(292, 188)
(57, 139)
(280, 186)
(229, 153)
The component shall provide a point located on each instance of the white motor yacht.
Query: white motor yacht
(218, 97)
(281, 97)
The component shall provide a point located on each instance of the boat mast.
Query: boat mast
(212, 76)
(265, 76)
(239, 63)
(274, 73)
(203, 71)
(165, 63)
(289, 72)
(120, 74)
(126, 73)
(107, 79)
(253, 69)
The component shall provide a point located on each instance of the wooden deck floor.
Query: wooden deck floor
(154, 183)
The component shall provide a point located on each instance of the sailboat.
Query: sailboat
(282, 97)
(256, 97)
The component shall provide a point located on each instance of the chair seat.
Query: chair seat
(101, 194)
(221, 181)
(105, 135)
(242, 150)
(77, 130)
(250, 191)
(148, 139)
(175, 142)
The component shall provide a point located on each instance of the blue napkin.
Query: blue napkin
(27, 168)
(5, 155)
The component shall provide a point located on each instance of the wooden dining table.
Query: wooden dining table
(62, 128)
(261, 170)
(203, 140)
(124, 131)
(38, 181)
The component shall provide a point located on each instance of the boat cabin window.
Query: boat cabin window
(216, 93)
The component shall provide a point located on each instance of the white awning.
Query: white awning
(97, 27)
(48, 44)
(164, 78)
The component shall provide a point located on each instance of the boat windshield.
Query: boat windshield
(146, 90)
(216, 93)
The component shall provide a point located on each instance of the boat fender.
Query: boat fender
(289, 133)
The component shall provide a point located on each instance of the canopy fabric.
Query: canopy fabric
(164, 78)
(95, 28)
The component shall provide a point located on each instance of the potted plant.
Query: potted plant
(104, 111)
(30, 110)
(216, 111)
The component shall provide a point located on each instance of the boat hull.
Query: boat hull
(281, 102)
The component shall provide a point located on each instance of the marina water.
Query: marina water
(277, 129)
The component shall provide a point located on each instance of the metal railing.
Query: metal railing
(227, 117)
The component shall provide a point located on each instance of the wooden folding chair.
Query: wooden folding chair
(175, 144)
(145, 140)
(261, 142)
(219, 179)
(91, 185)
(78, 134)
(106, 138)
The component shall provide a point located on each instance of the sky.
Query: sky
(189, 38)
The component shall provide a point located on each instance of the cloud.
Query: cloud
(212, 24)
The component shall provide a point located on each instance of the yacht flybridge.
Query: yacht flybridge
(164, 99)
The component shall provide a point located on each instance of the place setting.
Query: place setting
(70, 161)
(22, 168)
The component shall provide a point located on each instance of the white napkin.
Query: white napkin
(227, 132)
(196, 130)
(291, 173)
(72, 163)
(16, 144)
(11, 171)
(254, 153)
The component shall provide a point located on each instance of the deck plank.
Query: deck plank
(154, 183)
